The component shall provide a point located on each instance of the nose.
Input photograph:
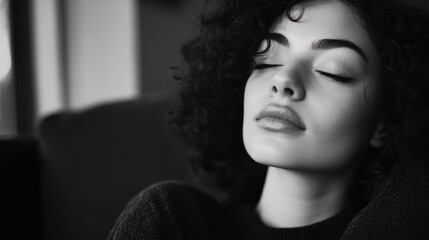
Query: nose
(287, 82)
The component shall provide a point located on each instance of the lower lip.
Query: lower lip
(277, 124)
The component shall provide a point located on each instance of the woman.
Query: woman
(332, 125)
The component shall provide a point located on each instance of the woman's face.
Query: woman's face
(311, 102)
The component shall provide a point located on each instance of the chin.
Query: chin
(269, 149)
(271, 152)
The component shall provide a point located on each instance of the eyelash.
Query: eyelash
(264, 66)
(335, 77)
(325, 74)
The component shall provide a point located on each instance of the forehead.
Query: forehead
(324, 19)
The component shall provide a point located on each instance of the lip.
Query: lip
(275, 117)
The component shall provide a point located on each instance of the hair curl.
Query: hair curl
(218, 62)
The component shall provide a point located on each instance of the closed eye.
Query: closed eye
(264, 66)
(335, 77)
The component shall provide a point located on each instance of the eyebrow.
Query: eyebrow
(279, 38)
(322, 44)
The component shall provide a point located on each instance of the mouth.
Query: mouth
(275, 117)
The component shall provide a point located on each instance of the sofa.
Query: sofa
(94, 161)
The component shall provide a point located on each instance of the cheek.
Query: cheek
(344, 115)
(342, 127)
(251, 99)
(255, 94)
(254, 98)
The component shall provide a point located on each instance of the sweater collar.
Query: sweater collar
(332, 228)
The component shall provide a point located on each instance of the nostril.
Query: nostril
(274, 89)
(289, 91)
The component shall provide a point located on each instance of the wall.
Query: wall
(101, 48)
(47, 59)
(85, 53)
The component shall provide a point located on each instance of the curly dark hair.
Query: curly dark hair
(218, 62)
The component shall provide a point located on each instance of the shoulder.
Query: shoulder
(175, 189)
(176, 195)
(167, 209)
(399, 208)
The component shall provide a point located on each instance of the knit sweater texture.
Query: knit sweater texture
(399, 209)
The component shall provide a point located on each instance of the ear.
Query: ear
(378, 140)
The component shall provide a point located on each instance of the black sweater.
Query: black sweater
(399, 209)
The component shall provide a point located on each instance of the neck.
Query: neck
(293, 199)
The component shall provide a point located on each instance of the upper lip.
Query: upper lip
(284, 113)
